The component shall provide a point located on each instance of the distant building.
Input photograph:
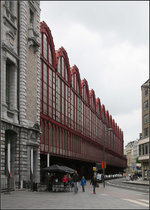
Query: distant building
(20, 93)
(131, 152)
(144, 142)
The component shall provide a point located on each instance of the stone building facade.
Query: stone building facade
(144, 149)
(131, 151)
(20, 93)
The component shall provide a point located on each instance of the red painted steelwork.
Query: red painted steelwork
(72, 118)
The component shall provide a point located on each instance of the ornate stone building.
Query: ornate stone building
(131, 150)
(20, 93)
(144, 149)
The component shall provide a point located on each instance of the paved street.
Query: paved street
(137, 185)
(109, 197)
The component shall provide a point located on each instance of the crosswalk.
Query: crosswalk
(141, 202)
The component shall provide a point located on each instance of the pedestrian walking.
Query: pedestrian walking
(94, 183)
(71, 184)
(83, 183)
(75, 179)
(103, 180)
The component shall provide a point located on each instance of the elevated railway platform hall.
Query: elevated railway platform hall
(73, 121)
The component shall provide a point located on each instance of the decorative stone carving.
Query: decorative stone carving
(33, 38)
(36, 126)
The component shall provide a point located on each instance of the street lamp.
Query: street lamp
(105, 131)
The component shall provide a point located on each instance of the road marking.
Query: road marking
(137, 202)
(146, 201)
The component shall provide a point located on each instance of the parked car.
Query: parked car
(99, 177)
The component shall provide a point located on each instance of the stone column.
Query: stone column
(23, 61)
(3, 88)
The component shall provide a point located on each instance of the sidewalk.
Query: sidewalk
(138, 181)
(105, 198)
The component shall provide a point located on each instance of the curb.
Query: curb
(135, 183)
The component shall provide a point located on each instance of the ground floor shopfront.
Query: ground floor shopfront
(145, 170)
(84, 168)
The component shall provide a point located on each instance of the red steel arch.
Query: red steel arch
(92, 97)
(85, 83)
(103, 113)
(44, 29)
(107, 118)
(61, 52)
(74, 70)
(110, 121)
(70, 128)
(98, 107)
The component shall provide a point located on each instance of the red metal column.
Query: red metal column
(56, 130)
(53, 138)
(44, 135)
(59, 139)
(65, 101)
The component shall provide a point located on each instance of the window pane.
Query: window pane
(45, 46)
(63, 69)
(145, 118)
(59, 67)
(145, 105)
(50, 55)
(66, 72)
(45, 74)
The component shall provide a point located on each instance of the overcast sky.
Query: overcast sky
(108, 42)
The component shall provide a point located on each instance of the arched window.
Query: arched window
(84, 94)
(62, 68)
(62, 86)
(48, 65)
(75, 83)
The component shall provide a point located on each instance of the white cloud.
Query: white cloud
(131, 121)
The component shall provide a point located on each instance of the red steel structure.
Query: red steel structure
(72, 118)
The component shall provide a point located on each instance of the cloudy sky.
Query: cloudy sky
(108, 42)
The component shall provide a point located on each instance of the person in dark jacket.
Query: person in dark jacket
(83, 183)
(94, 183)
(75, 180)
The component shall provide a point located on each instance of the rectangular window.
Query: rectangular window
(146, 132)
(45, 46)
(31, 18)
(146, 149)
(145, 92)
(10, 82)
(146, 118)
(145, 105)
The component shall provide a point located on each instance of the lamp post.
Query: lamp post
(31, 167)
(105, 131)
